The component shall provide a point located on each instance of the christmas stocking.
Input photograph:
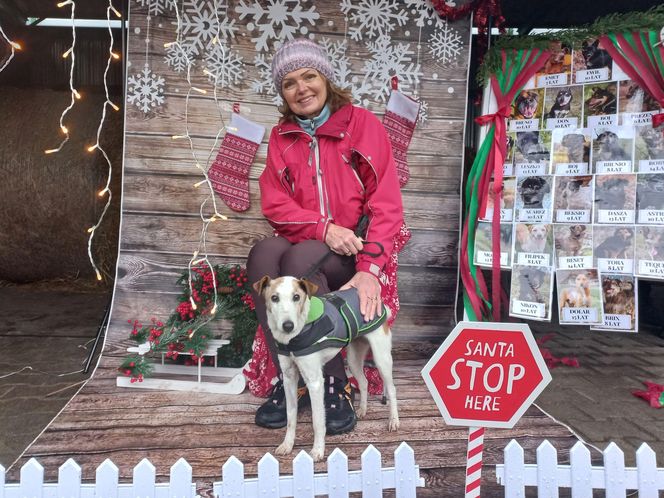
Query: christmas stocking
(229, 172)
(399, 122)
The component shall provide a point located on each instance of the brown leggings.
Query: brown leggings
(275, 257)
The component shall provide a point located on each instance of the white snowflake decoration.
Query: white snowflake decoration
(224, 65)
(445, 44)
(264, 84)
(423, 115)
(200, 25)
(156, 7)
(178, 57)
(387, 60)
(373, 18)
(424, 13)
(145, 90)
(278, 21)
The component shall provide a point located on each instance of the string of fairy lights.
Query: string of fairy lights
(200, 255)
(75, 95)
(13, 47)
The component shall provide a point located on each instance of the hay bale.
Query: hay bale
(49, 201)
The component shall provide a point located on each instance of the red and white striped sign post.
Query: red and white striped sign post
(485, 375)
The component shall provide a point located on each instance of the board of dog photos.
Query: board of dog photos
(583, 193)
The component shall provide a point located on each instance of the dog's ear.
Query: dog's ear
(261, 284)
(307, 286)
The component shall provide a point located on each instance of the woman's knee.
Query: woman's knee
(264, 256)
(300, 257)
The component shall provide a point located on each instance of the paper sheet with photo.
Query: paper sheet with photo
(534, 199)
(591, 63)
(619, 303)
(483, 256)
(533, 244)
(600, 104)
(650, 251)
(613, 248)
(650, 198)
(570, 151)
(573, 246)
(579, 297)
(532, 153)
(526, 112)
(649, 149)
(558, 67)
(612, 149)
(506, 201)
(615, 198)
(635, 105)
(563, 107)
(573, 199)
(531, 292)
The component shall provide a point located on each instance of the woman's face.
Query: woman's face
(305, 92)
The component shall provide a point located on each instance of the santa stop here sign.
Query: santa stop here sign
(486, 374)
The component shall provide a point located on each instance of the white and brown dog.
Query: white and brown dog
(303, 350)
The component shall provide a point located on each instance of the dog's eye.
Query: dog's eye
(274, 298)
(296, 297)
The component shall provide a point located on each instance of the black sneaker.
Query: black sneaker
(339, 411)
(272, 413)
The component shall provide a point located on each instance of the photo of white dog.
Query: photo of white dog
(303, 349)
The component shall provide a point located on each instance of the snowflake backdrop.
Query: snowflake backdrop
(380, 30)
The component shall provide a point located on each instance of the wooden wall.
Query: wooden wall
(160, 222)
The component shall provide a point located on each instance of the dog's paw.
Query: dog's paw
(284, 449)
(317, 454)
(393, 425)
(361, 412)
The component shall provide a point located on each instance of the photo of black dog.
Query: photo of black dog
(595, 57)
(615, 191)
(532, 192)
(607, 147)
(619, 245)
(533, 285)
(530, 147)
(601, 100)
(652, 140)
(618, 294)
(562, 104)
(650, 191)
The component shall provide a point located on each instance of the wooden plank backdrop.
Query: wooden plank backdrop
(161, 228)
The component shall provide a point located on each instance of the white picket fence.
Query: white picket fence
(580, 475)
(337, 482)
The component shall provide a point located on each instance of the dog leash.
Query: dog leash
(360, 231)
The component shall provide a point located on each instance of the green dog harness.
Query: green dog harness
(334, 320)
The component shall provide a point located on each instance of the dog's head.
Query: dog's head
(526, 103)
(286, 303)
(624, 233)
(533, 278)
(607, 139)
(611, 287)
(533, 190)
(600, 98)
(582, 281)
(564, 97)
(577, 231)
(573, 140)
(538, 232)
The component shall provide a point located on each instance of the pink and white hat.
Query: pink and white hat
(297, 54)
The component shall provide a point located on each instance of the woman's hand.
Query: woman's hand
(368, 288)
(342, 240)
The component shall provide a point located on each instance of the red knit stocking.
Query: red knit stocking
(229, 172)
(399, 122)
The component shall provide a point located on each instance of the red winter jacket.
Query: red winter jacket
(350, 172)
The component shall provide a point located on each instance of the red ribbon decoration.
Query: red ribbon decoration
(658, 119)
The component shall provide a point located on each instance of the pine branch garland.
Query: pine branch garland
(187, 328)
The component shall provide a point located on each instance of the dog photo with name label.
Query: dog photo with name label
(633, 98)
(650, 191)
(615, 193)
(619, 297)
(600, 99)
(560, 60)
(531, 292)
(528, 104)
(612, 149)
(570, 146)
(573, 240)
(573, 193)
(534, 192)
(563, 102)
(613, 242)
(483, 244)
(650, 243)
(591, 56)
(649, 146)
(532, 147)
(579, 289)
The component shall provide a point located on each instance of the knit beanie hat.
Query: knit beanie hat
(298, 54)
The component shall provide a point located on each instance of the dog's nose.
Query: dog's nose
(288, 326)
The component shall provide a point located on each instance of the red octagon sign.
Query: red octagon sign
(486, 374)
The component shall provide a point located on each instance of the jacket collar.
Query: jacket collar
(336, 126)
